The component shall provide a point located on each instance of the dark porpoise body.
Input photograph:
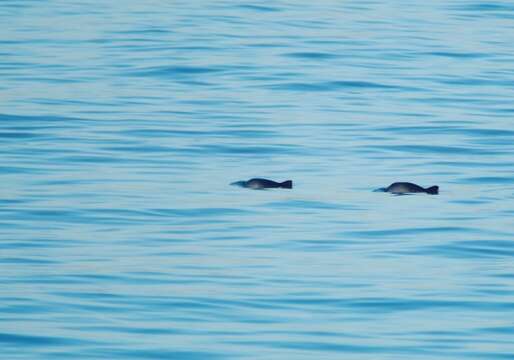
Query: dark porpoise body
(258, 183)
(408, 188)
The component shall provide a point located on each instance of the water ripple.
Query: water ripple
(335, 86)
(121, 237)
(473, 249)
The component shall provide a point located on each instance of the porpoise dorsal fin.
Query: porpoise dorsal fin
(288, 184)
(432, 190)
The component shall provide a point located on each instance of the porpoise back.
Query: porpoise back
(259, 183)
(409, 188)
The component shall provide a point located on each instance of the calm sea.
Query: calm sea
(122, 124)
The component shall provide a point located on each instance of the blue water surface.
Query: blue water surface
(122, 125)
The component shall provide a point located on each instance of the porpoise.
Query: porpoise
(407, 187)
(258, 183)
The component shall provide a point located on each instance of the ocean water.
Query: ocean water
(122, 125)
